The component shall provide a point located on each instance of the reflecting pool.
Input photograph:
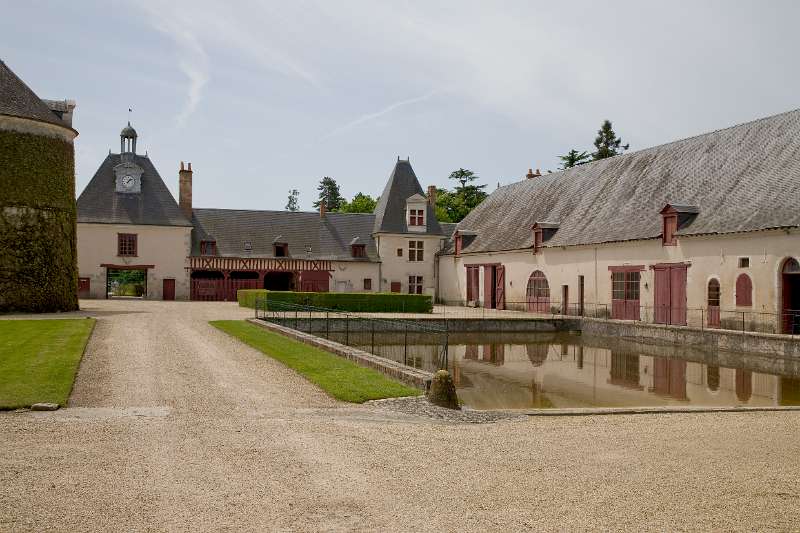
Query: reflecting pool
(560, 370)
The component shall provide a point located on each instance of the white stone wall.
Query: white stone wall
(165, 247)
(709, 256)
(398, 269)
(349, 276)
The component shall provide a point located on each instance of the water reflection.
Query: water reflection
(516, 371)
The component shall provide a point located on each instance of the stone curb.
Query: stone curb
(414, 377)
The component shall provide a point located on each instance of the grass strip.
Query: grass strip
(339, 377)
(39, 359)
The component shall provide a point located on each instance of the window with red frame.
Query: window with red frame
(416, 217)
(208, 247)
(126, 244)
(359, 250)
(414, 284)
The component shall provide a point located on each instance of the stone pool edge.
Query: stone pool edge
(409, 375)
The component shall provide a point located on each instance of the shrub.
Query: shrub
(372, 302)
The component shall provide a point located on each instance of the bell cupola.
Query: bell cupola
(127, 140)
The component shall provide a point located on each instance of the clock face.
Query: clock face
(127, 182)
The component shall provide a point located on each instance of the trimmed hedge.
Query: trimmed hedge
(367, 302)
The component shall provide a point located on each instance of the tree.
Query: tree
(453, 206)
(573, 159)
(361, 203)
(607, 142)
(329, 193)
(292, 202)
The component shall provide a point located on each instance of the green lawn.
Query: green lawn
(342, 379)
(39, 359)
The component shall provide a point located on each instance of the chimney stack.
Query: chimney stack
(185, 190)
(531, 174)
(322, 209)
(432, 195)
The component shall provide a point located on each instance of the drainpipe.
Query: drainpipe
(596, 300)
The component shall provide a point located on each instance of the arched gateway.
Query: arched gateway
(537, 293)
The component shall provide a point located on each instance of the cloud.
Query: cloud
(192, 59)
(385, 111)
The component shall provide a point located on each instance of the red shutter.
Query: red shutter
(678, 295)
(488, 287)
(662, 295)
(744, 291)
(500, 287)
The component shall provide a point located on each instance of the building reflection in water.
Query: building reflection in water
(564, 371)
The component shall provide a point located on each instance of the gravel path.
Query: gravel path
(173, 425)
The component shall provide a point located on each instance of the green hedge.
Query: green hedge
(372, 302)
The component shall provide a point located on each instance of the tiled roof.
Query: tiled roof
(390, 213)
(100, 203)
(743, 178)
(328, 237)
(18, 100)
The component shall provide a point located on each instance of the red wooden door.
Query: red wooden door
(488, 287)
(565, 299)
(84, 286)
(677, 286)
(395, 287)
(500, 287)
(662, 295)
(168, 292)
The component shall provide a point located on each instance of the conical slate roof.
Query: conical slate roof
(18, 100)
(390, 213)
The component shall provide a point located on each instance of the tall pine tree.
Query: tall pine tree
(329, 192)
(292, 201)
(607, 143)
(574, 158)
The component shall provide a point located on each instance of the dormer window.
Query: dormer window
(359, 250)
(416, 217)
(459, 243)
(248, 246)
(675, 217)
(280, 249)
(542, 232)
(208, 247)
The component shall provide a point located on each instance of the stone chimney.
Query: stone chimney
(185, 190)
(531, 174)
(432, 195)
(322, 209)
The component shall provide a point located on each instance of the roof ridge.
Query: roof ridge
(327, 213)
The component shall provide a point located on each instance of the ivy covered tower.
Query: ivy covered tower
(38, 257)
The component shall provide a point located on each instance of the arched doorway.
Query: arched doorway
(790, 296)
(713, 303)
(537, 293)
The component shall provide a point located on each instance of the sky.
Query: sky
(263, 96)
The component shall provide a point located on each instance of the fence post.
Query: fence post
(327, 325)
(347, 329)
(373, 336)
(702, 319)
(742, 321)
(405, 344)
(295, 318)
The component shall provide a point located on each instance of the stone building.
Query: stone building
(701, 231)
(128, 223)
(38, 270)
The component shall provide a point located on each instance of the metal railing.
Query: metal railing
(787, 322)
(356, 330)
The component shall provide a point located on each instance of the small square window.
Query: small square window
(416, 217)
(744, 262)
(414, 284)
(367, 284)
(208, 247)
(126, 244)
(359, 250)
(280, 249)
(399, 252)
(248, 246)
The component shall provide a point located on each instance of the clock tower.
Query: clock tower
(128, 174)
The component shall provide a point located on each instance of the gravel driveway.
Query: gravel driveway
(173, 425)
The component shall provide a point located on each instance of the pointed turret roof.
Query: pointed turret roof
(18, 100)
(390, 213)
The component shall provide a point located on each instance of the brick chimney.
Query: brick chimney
(432, 195)
(531, 174)
(185, 190)
(322, 209)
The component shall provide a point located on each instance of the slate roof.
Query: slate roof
(329, 237)
(743, 178)
(390, 213)
(18, 100)
(100, 203)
